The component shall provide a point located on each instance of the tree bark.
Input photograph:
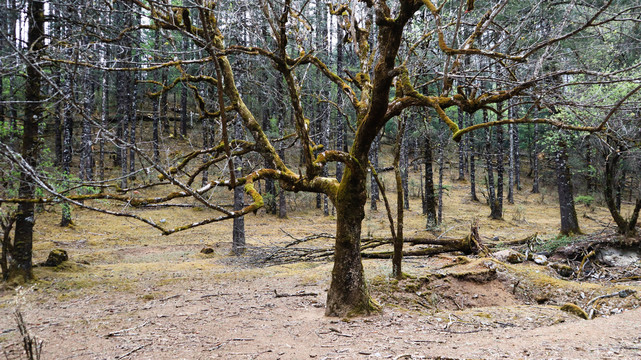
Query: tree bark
(348, 293)
(625, 227)
(86, 150)
(67, 148)
(497, 210)
(535, 160)
(430, 198)
(441, 160)
(21, 255)
(472, 149)
(238, 242)
(569, 221)
(183, 95)
(282, 196)
(397, 258)
(341, 144)
(164, 104)
(491, 187)
(404, 164)
(57, 127)
(270, 189)
(373, 158)
(512, 167)
(104, 115)
(461, 149)
(589, 177)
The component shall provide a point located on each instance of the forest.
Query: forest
(433, 165)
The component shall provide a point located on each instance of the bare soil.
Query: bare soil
(129, 293)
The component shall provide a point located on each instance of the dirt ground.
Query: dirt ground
(130, 293)
(238, 315)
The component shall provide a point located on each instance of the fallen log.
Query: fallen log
(464, 245)
(471, 244)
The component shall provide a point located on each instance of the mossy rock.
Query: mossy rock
(574, 309)
(562, 269)
(510, 256)
(207, 250)
(56, 257)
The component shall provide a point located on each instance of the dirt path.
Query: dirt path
(237, 315)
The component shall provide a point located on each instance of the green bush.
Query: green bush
(586, 200)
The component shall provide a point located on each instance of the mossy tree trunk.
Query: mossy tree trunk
(348, 293)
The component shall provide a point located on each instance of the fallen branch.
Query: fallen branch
(169, 298)
(151, 206)
(338, 332)
(120, 332)
(524, 241)
(306, 238)
(300, 293)
(622, 294)
(465, 245)
(131, 352)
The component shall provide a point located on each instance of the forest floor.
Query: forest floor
(129, 293)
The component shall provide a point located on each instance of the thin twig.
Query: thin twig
(131, 352)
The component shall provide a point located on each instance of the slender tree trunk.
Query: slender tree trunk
(373, 158)
(156, 129)
(497, 211)
(325, 141)
(535, 161)
(270, 189)
(133, 107)
(124, 125)
(86, 151)
(282, 196)
(2, 121)
(404, 165)
(461, 149)
(620, 188)
(238, 243)
(569, 221)
(57, 127)
(430, 197)
(589, 177)
(397, 257)
(183, 96)
(21, 255)
(104, 116)
(512, 167)
(206, 131)
(441, 160)
(472, 150)
(517, 155)
(67, 142)
(491, 190)
(156, 111)
(164, 104)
